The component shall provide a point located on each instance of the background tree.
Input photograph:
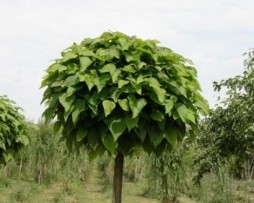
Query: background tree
(119, 94)
(12, 129)
(228, 132)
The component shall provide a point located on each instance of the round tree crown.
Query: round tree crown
(119, 93)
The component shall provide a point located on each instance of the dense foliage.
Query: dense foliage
(119, 93)
(228, 132)
(12, 129)
(236, 118)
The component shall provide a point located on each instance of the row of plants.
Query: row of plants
(166, 178)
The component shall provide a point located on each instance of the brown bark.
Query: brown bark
(118, 178)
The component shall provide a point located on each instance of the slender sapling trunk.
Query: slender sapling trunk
(118, 178)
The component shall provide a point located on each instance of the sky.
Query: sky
(213, 34)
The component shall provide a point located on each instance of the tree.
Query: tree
(119, 94)
(12, 129)
(229, 129)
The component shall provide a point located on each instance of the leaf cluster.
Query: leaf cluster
(121, 93)
(12, 129)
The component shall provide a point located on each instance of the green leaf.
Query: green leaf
(182, 111)
(131, 122)
(124, 104)
(128, 89)
(168, 106)
(57, 84)
(115, 75)
(136, 105)
(69, 143)
(68, 113)
(57, 126)
(2, 145)
(48, 114)
(101, 81)
(66, 101)
(81, 134)
(185, 114)
(109, 68)
(153, 82)
(88, 80)
(140, 79)
(125, 44)
(92, 155)
(161, 93)
(137, 87)
(7, 156)
(115, 93)
(85, 62)
(108, 107)
(68, 56)
(72, 68)
(93, 137)
(98, 151)
(117, 126)
(79, 106)
(56, 67)
(171, 135)
(191, 116)
(71, 80)
(157, 115)
(155, 134)
(109, 143)
(132, 57)
(70, 91)
(86, 53)
(24, 140)
(141, 130)
(121, 83)
(129, 69)
(201, 104)
(182, 90)
(113, 53)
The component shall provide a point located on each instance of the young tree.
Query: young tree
(118, 94)
(12, 129)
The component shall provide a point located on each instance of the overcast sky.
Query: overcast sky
(213, 34)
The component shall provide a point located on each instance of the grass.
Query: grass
(94, 191)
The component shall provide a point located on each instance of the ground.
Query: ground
(91, 191)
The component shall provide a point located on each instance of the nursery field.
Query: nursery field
(55, 179)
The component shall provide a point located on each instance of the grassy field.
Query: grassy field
(91, 191)
(94, 191)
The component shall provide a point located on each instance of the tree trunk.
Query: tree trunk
(20, 166)
(164, 178)
(118, 178)
(39, 174)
